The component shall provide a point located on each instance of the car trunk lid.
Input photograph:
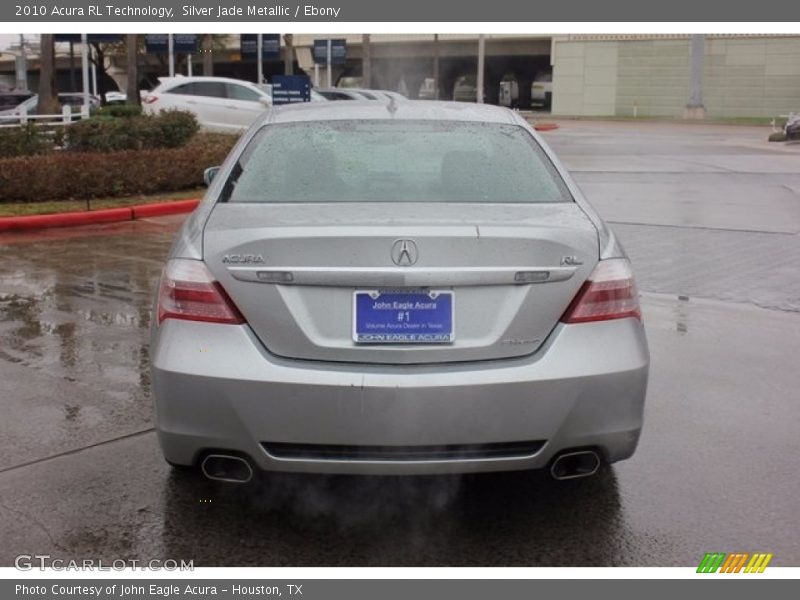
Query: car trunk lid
(293, 270)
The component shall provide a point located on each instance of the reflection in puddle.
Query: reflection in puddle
(78, 308)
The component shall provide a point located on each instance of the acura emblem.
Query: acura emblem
(404, 253)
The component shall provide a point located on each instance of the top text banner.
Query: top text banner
(465, 11)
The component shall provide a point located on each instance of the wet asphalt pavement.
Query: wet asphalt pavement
(711, 218)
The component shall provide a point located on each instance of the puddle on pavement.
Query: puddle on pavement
(79, 308)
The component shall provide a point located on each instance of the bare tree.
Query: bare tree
(288, 54)
(48, 96)
(98, 56)
(132, 90)
(366, 61)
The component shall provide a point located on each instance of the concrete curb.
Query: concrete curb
(106, 215)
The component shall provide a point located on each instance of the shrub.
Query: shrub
(101, 134)
(176, 127)
(25, 140)
(170, 129)
(119, 110)
(68, 175)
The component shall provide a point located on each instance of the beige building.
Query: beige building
(743, 76)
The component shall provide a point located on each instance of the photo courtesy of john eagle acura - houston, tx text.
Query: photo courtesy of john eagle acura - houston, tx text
(435, 296)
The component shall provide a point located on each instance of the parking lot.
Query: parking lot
(710, 216)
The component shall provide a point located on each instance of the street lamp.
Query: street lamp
(21, 64)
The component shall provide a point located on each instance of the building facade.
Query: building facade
(625, 76)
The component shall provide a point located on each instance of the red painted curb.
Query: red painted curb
(142, 211)
(66, 219)
(106, 215)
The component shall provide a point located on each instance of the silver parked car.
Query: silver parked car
(400, 288)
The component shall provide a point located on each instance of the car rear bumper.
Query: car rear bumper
(216, 388)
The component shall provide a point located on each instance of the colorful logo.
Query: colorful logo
(734, 563)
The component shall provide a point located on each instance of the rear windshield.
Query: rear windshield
(394, 161)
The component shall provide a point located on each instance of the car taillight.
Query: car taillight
(188, 291)
(149, 99)
(609, 293)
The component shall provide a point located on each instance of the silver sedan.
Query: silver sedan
(399, 288)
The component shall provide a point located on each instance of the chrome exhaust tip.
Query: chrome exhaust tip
(573, 465)
(228, 468)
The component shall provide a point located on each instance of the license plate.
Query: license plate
(417, 317)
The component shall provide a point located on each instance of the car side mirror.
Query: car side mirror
(265, 101)
(209, 174)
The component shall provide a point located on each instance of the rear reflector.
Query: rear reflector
(189, 292)
(609, 293)
(149, 99)
(275, 276)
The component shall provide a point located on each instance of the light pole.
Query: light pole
(366, 61)
(260, 58)
(171, 51)
(329, 65)
(85, 73)
(435, 66)
(22, 65)
(481, 60)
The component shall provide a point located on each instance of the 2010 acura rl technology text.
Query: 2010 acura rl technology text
(401, 288)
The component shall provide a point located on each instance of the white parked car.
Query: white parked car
(27, 106)
(220, 103)
(30, 103)
(11, 101)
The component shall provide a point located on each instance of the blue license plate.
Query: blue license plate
(418, 317)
